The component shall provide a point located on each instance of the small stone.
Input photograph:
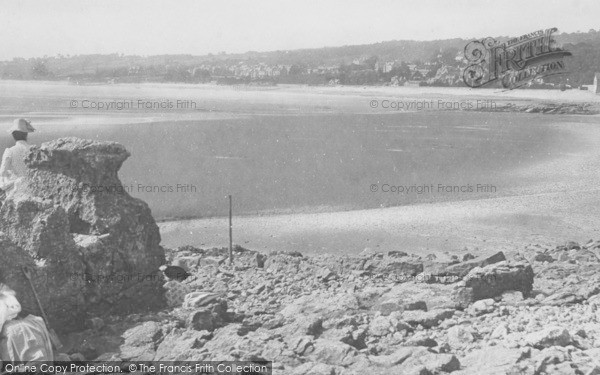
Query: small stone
(62, 357)
(562, 298)
(397, 357)
(543, 257)
(140, 342)
(481, 307)
(462, 269)
(512, 297)
(572, 245)
(332, 352)
(421, 339)
(380, 326)
(325, 274)
(77, 357)
(368, 252)
(500, 331)
(468, 256)
(201, 320)
(551, 336)
(431, 363)
(260, 260)
(427, 319)
(312, 368)
(397, 254)
(417, 305)
(199, 299)
(300, 344)
(459, 336)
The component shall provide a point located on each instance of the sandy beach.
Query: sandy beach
(299, 161)
(507, 224)
(560, 206)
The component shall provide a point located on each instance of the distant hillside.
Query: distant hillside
(378, 63)
(403, 50)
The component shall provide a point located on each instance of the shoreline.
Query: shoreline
(554, 210)
(571, 166)
(571, 95)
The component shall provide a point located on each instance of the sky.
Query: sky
(35, 28)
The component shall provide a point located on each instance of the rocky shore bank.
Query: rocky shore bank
(546, 108)
(535, 311)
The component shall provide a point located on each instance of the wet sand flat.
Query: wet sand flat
(319, 169)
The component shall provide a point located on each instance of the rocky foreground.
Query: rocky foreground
(536, 312)
(84, 238)
(531, 312)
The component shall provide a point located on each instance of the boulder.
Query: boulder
(333, 352)
(300, 344)
(313, 368)
(437, 267)
(415, 296)
(96, 247)
(140, 342)
(347, 335)
(323, 305)
(206, 318)
(546, 359)
(383, 325)
(550, 336)
(495, 360)
(572, 245)
(187, 262)
(562, 298)
(427, 319)
(583, 256)
(512, 297)
(306, 325)
(428, 362)
(421, 339)
(463, 268)
(500, 332)
(201, 320)
(493, 280)
(543, 257)
(397, 357)
(12, 275)
(199, 299)
(403, 269)
(182, 345)
(380, 326)
(397, 254)
(36, 235)
(459, 336)
(389, 305)
(483, 306)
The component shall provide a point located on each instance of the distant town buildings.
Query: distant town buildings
(364, 70)
(444, 68)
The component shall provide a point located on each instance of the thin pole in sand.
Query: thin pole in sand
(230, 233)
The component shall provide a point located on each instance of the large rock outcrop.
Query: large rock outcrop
(92, 246)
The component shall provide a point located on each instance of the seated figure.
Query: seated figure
(25, 339)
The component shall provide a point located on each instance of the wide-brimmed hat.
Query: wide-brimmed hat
(21, 125)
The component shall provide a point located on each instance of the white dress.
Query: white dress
(13, 164)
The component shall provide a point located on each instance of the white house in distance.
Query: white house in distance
(594, 87)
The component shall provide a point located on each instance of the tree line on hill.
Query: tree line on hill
(435, 62)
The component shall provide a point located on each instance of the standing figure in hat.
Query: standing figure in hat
(13, 161)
